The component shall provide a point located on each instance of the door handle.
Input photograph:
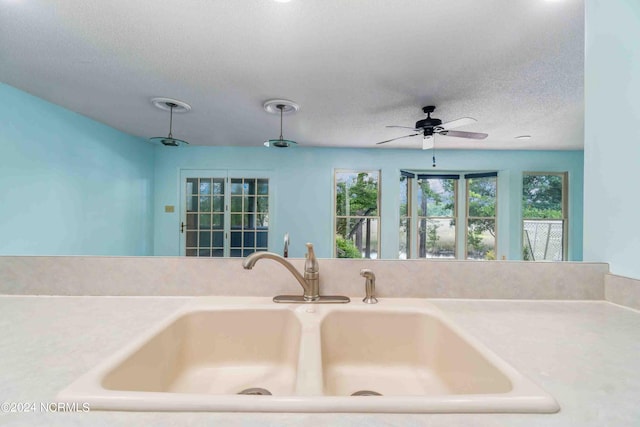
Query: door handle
(182, 227)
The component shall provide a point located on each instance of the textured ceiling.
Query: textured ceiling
(353, 66)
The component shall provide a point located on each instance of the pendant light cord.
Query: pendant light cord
(281, 108)
(170, 120)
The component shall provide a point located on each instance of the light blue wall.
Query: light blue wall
(612, 135)
(303, 179)
(70, 185)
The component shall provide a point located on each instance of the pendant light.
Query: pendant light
(171, 105)
(280, 106)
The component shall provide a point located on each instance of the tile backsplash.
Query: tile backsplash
(83, 275)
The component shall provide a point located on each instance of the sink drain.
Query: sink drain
(366, 393)
(256, 391)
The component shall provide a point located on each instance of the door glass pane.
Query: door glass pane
(236, 187)
(218, 203)
(236, 204)
(218, 186)
(205, 221)
(205, 185)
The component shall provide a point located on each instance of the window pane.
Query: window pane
(437, 238)
(262, 205)
(404, 250)
(263, 186)
(357, 193)
(542, 196)
(249, 204)
(543, 225)
(436, 197)
(543, 240)
(357, 237)
(482, 197)
(481, 239)
(404, 196)
(405, 239)
(261, 240)
(262, 220)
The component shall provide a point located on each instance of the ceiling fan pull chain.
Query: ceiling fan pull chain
(434, 155)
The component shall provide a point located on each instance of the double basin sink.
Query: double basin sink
(249, 354)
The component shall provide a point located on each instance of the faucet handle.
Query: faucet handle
(311, 263)
(370, 286)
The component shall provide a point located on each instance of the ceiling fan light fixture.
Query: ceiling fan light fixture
(173, 106)
(281, 107)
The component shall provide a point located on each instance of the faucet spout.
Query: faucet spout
(310, 285)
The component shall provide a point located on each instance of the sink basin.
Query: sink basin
(402, 354)
(249, 354)
(215, 352)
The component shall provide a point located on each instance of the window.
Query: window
(437, 216)
(224, 216)
(357, 214)
(433, 205)
(544, 216)
(481, 203)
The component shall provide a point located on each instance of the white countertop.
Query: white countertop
(585, 354)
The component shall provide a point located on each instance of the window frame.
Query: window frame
(565, 212)
(456, 207)
(335, 208)
(408, 217)
(468, 177)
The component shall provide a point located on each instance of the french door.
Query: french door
(225, 213)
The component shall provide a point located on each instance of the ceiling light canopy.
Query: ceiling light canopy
(281, 107)
(171, 105)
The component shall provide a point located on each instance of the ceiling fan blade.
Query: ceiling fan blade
(428, 142)
(461, 134)
(457, 123)
(393, 139)
(402, 127)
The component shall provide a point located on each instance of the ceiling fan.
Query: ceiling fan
(430, 126)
